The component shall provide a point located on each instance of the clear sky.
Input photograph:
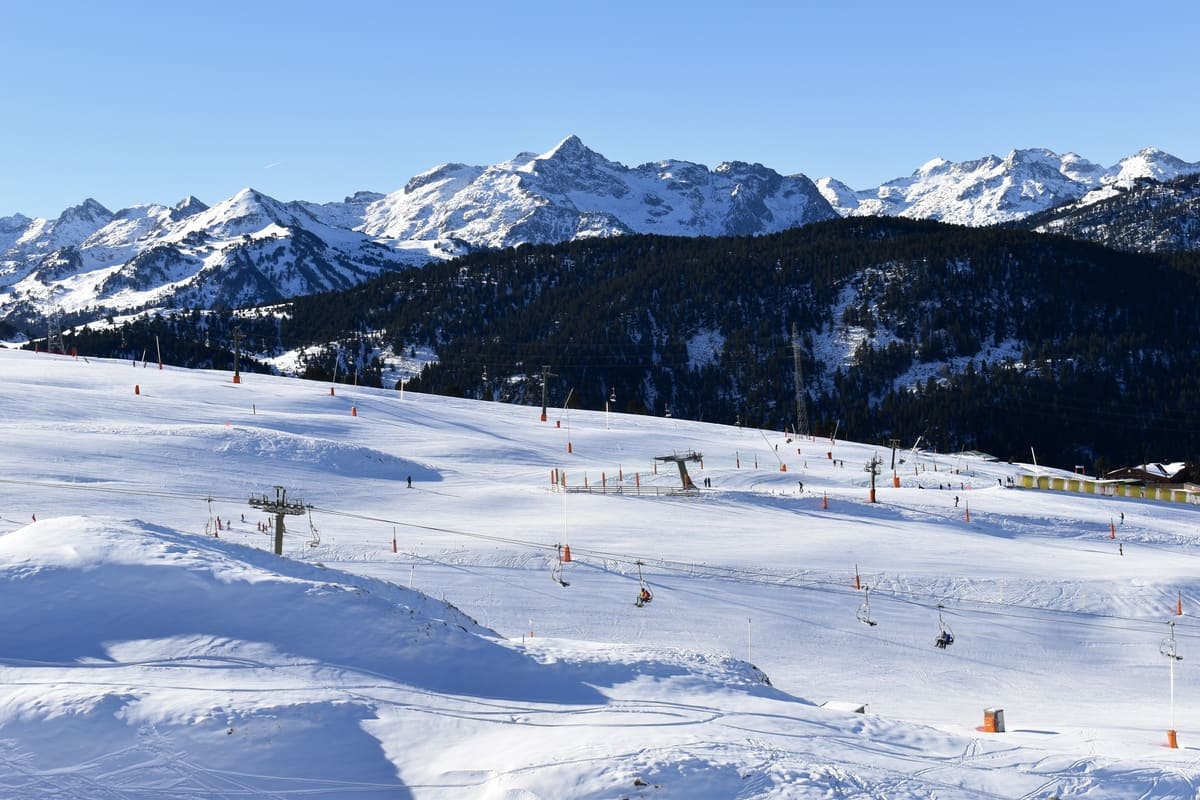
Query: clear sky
(135, 102)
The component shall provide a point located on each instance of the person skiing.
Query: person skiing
(410, 481)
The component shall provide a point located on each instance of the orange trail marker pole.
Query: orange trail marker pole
(1112, 532)
(857, 582)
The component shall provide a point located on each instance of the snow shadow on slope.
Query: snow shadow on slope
(77, 588)
(115, 749)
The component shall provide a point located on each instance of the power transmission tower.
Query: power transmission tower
(280, 507)
(546, 375)
(801, 403)
(54, 337)
(237, 352)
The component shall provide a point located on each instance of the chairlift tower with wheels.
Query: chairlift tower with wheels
(681, 462)
(873, 467)
(281, 508)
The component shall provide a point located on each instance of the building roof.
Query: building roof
(1155, 470)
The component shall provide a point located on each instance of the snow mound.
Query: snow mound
(139, 656)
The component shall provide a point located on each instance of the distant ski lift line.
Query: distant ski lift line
(982, 607)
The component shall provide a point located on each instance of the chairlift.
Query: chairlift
(557, 572)
(945, 635)
(864, 611)
(210, 527)
(644, 593)
(315, 535)
(1167, 647)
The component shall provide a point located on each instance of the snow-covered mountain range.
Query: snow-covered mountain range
(994, 190)
(252, 248)
(572, 192)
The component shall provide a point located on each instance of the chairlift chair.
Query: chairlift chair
(864, 611)
(945, 636)
(1167, 647)
(557, 572)
(644, 593)
(312, 529)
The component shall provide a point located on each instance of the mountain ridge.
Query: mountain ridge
(252, 248)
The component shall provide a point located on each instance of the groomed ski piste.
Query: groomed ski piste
(419, 642)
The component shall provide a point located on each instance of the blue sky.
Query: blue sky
(138, 102)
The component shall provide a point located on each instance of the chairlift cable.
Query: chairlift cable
(980, 606)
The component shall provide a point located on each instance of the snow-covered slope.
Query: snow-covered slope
(411, 642)
(992, 190)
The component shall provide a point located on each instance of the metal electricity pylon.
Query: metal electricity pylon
(801, 403)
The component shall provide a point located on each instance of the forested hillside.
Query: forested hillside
(1149, 217)
(990, 339)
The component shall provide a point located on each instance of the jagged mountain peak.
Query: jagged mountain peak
(15, 222)
(933, 166)
(250, 202)
(189, 205)
(571, 147)
(249, 212)
(453, 171)
(1032, 155)
(571, 159)
(363, 197)
(250, 195)
(736, 168)
(87, 211)
(1150, 162)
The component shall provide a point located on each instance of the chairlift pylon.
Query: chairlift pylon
(644, 593)
(945, 636)
(864, 611)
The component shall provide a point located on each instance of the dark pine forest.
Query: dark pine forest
(991, 339)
